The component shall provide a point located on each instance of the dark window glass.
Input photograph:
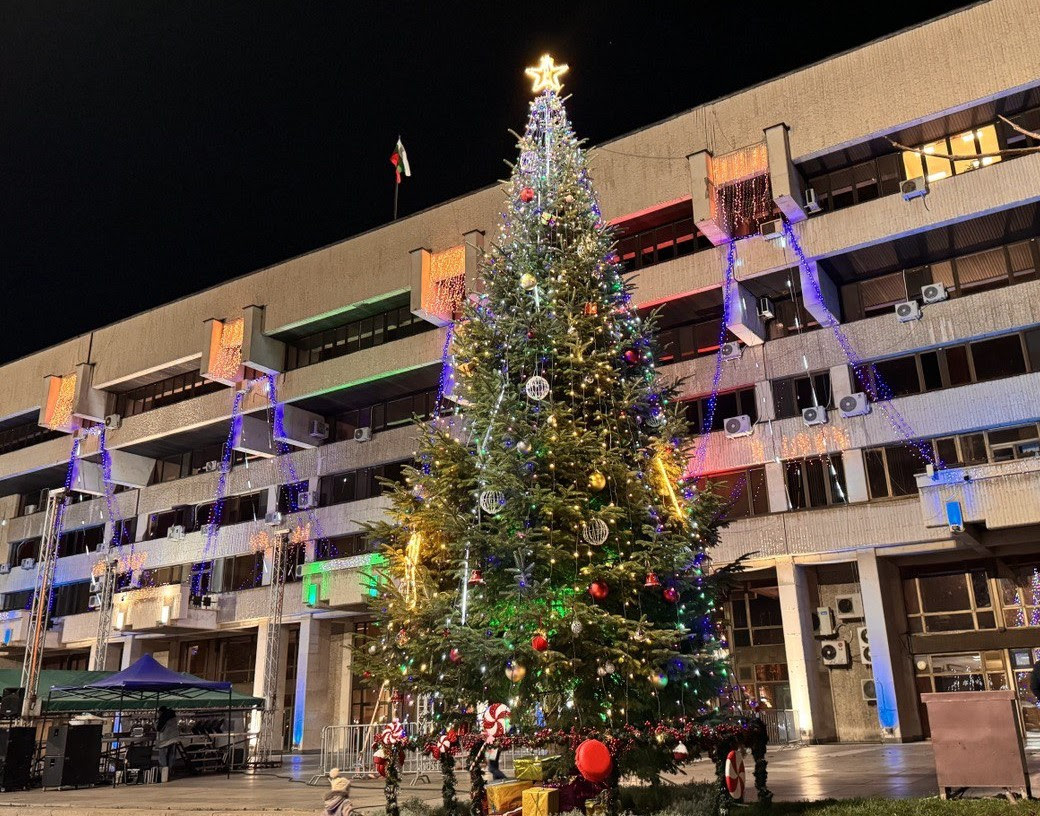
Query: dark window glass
(931, 370)
(957, 365)
(875, 458)
(289, 496)
(816, 482)
(899, 377)
(903, 464)
(998, 357)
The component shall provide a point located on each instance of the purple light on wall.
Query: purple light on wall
(727, 300)
(873, 385)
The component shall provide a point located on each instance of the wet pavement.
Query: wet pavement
(795, 773)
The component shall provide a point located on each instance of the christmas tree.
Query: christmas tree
(546, 551)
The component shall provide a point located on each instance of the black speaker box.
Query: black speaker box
(17, 746)
(73, 756)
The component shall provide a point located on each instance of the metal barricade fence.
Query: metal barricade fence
(781, 725)
(351, 748)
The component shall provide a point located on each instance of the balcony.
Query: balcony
(165, 609)
(339, 583)
(14, 628)
(996, 495)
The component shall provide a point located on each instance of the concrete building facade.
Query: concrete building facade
(889, 550)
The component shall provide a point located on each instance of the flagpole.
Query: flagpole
(397, 186)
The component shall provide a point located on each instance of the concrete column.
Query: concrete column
(842, 383)
(807, 693)
(821, 300)
(784, 180)
(776, 488)
(313, 706)
(855, 475)
(883, 613)
(702, 190)
(764, 400)
(132, 649)
(744, 320)
(474, 241)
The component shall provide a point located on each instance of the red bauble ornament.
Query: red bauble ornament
(530, 334)
(671, 594)
(539, 643)
(680, 753)
(631, 356)
(599, 590)
(594, 761)
(454, 655)
(652, 581)
(527, 194)
(476, 578)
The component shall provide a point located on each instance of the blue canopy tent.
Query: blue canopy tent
(147, 684)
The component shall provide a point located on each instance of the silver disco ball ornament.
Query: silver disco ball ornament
(492, 502)
(595, 532)
(577, 626)
(537, 387)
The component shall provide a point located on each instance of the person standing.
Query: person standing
(167, 737)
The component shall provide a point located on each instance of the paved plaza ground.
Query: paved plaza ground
(795, 773)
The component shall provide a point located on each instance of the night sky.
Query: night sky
(152, 149)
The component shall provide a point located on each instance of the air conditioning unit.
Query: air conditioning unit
(731, 351)
(854, 405)
(94, 602)
(208, 601)
(113, 421)
(834, 652)
(212, 466)
(934, 293)
(848, 607)
(307, 499)
(28, 563)
(816, 415)
(908, 310)
(914, 188)
(772, 230)
(824, 621)
(209, 530)
(864, 645)
(363, 434)
(5, 569)
(273, 519)
(299, 572)
(738, 426)
(319, 429)
(812, 205)
(869, 690)
(766, 309)
(176, 532)
(29, 510)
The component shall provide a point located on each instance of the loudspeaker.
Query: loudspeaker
(17, 747)
(73, 756)
(11, 702)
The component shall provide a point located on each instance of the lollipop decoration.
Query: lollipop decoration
(393, 733)
(441, 746)
(495, 721)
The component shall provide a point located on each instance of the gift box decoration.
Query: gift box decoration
(541, 801)
(536, 768)
(505, 796)
(596, 807)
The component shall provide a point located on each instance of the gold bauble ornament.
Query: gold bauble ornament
(516, 672)
(597, 481)
(528, 281)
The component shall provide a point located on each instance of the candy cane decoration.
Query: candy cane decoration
(495, 720)
(442, 746)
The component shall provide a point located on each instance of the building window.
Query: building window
(858, 183)
(892, 470)
(71, 599)
(289, 496)
(755, 616)
(743, 492)
(394, 323)
(659, 236)
(355, 485)
(818, 481)
(365, 705)
(970, 145)
(1020, 596)
(948, 602)
(20, 550)
(164, 392)
(1008, 355)
(17, 437)
(767, 684)
(83, 540)
(15, 601)
(727, 404)
(382, 416)
(343, 546)
(792, 395)
(162, 576)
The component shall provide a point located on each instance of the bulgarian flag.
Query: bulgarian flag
(399, 159)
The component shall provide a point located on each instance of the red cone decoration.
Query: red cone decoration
(651, 581)
(539, 643)
(475, 578)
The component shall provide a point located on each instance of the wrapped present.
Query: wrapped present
(541, 801)
(536, 768)
(506, 796)
(575, 792)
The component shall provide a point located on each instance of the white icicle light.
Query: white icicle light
(595, 532)
(537, 387)
(492, 502)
